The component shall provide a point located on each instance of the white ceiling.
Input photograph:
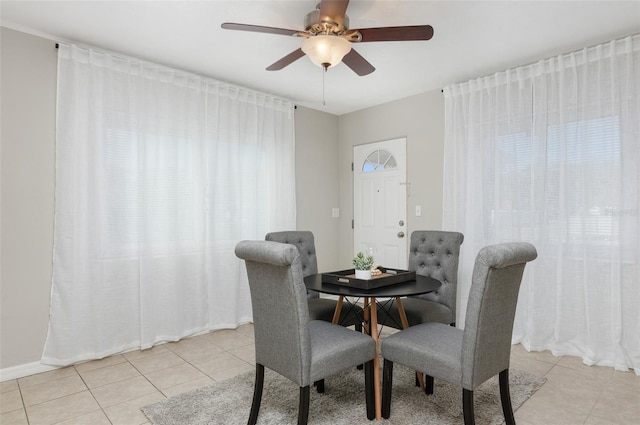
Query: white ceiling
(472, 39)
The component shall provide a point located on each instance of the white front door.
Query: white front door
(380, 201)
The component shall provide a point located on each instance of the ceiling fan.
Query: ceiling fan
(328, 37)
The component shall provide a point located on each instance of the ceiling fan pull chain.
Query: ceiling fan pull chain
(324, 71)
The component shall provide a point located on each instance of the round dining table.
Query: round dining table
(421, 285)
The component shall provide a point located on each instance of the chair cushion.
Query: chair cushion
(435, 348)
(418, 311)
(335, 348)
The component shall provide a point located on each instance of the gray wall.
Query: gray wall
(420, 119)
(28, 131)
(323, 181)
(317, 181)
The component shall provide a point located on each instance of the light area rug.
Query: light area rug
(229, 402)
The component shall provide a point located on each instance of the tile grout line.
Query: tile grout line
(192, 365)
(92, 395)
(145, 376)
(147, 379)
(24, 406)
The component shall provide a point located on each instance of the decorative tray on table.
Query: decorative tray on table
(388, 277)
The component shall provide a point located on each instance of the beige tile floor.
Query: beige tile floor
(112, 390)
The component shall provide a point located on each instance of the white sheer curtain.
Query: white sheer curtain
(550, 153)
(159, 173)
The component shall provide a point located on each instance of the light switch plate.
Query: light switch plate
(335, 212)
(418, 210)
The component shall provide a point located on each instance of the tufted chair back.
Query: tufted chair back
(304, 241)
(435, 254)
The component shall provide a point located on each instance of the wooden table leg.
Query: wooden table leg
(376, 360)
(403, 314)
(367, 323)
(405, 325)
(337, 311)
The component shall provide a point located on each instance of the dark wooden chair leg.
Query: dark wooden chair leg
(303, 408)
(319, 386)
(257, 394)
(467, 407)
(428, 384)
(387, 382)
(368, 390)
(358, 328)
(505, 397)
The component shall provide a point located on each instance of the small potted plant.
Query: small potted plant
(363, 264)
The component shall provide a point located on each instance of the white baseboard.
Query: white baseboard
(23, 370)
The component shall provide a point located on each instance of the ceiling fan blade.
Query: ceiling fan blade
(287, 60)
(258, 28)
(357, 63)
(333, 10)
(407, 33)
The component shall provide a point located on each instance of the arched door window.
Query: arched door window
(379, 160)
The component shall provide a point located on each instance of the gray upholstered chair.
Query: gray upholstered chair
(286, 341)
(319, 308)
(435, 254)
(482, 350)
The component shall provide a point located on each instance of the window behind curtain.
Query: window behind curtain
(170, 202)
(587, 148)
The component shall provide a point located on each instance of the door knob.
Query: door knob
(401, 234)
(401, 222)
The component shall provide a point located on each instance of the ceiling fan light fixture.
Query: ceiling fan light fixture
(326, 51)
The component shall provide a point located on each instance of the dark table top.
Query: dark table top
(421, 285)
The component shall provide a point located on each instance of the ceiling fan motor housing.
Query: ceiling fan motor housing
(314, 25)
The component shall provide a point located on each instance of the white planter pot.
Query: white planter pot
(363, 274)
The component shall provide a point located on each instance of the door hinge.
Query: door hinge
(352, 166)
(352, 224)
